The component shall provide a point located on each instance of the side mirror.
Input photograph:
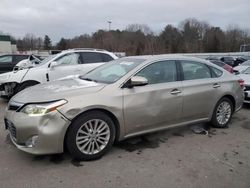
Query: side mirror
(53, 64)
(137, 81)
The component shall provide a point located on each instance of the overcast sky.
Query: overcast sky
(67, 18)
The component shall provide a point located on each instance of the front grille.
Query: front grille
(247, 88)
(14, 106)
(9, 126)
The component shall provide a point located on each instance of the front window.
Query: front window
(113, 71)
(69, 59)
(159, 72)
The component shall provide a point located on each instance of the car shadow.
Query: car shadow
(135, 144)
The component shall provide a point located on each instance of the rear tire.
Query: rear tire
(90, 136)
(222, 113)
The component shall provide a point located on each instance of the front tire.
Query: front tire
(90, 136)
(222, 113)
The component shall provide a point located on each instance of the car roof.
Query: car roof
(87, 50)
(165, 57)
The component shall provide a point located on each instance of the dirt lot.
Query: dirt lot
(173, 158)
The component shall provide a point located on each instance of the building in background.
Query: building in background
(7, 46)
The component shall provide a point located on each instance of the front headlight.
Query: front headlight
(41, 109)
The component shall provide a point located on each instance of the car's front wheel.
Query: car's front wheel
(90, 136)
(222, 113)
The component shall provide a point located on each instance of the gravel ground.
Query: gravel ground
(172, 158)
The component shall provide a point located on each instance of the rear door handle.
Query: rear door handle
(175, 91)
(216, 85)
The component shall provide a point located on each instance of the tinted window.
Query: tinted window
(106, 57)
(69, 59)
(159, 72)
(195, 70)
(20, 58)
(91, 57)
(6, 59)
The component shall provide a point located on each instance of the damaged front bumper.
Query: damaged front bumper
(37, 134)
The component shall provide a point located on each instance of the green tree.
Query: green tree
(47, 43)
(62, 44)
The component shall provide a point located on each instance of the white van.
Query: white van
(66, 63)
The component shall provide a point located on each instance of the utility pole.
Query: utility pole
(109, 22)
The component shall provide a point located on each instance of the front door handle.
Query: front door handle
(216, 85)
(175, 91)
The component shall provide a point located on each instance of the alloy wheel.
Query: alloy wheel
(93, 136)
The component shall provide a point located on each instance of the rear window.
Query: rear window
(106, 57)
(195, 70)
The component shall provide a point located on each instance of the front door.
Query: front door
(67, 66)
(154, 105)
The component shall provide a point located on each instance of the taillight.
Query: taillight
(241, 82)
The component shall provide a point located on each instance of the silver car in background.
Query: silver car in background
(124, 98)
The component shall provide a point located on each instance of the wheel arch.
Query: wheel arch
(231, 98)
(107, 112)
(29, 81)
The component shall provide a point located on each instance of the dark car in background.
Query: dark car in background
(228, 60)
(8, 61)
(223, 65)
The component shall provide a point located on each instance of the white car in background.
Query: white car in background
(242, 67)
(66, 63)
(245, 75)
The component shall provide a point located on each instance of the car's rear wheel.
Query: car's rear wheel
(90, 136)
(222, 113)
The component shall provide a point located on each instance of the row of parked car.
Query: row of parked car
(79, 101)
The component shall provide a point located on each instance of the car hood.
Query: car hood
(246, 78)
(60, 89)
(4, 77)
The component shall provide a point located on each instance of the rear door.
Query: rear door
(6, 64)
(200, 90)
(157, 104)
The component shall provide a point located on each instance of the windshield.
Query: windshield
(47, 59)
(246, 63)
(247, 71)
(112, 71)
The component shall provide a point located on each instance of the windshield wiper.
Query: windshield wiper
(88, 79)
